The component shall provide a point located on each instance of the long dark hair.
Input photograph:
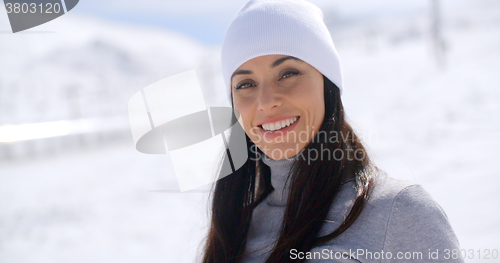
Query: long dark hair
(318, 183)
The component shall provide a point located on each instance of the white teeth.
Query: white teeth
(279, 124)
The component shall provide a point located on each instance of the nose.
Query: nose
(269, 97)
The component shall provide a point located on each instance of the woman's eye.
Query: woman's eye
(243, 85)
(290, 73)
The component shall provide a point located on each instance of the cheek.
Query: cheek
(310, 98)
(245, 114)
(242, 103)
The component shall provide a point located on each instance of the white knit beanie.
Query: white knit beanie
(280, 27)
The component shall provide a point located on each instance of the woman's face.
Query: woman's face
(281, 102)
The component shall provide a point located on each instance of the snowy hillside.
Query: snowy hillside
(84, 67)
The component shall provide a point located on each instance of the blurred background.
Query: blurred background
(422, 89)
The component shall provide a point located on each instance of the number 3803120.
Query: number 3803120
(25, 8)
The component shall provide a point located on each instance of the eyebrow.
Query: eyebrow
(273, 65)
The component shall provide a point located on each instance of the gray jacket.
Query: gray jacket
(400, 223)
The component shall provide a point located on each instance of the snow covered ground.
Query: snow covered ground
(437, 127)
(96, 206)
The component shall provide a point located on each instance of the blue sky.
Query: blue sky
(206, 21)
(203, 21)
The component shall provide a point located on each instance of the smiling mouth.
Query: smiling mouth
(278, 125)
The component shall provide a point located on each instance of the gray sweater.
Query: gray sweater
(400, 221)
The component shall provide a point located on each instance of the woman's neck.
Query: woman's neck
(280, 170)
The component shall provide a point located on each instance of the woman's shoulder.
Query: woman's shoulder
(413, 220)
(385, 194)
(389, 191)
(400, 216)
(390, 199)
(404, 202)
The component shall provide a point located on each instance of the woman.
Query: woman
(308, 190)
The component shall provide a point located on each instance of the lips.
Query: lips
(275, 119)
(280, 124)
(288, 122)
